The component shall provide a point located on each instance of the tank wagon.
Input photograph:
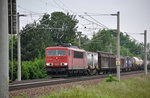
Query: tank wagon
(92, 62)
(137, 63)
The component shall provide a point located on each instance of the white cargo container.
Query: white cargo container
(91, 60)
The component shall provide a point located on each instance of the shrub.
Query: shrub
(30, 69)
(110, 79)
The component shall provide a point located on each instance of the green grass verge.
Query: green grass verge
(138, 87)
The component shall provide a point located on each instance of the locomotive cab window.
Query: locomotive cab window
(56, 53)
(78, 54)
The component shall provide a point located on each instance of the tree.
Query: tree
(55, 28)
(33, 40)
(134, 47)
(14, 47)
(63, 26)
(101, 41)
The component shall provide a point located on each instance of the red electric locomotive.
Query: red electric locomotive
(64, 60)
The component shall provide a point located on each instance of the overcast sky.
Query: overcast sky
(134, 14)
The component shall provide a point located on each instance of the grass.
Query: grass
(138, 87)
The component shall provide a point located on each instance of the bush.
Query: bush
(15, 69)
(30, 69)
(110, 79)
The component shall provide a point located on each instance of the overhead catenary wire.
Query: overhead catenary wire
(43, 13)
(99, 14)
(103, 26)
(90, 21)
(60, 6)
(97, 21)
(28, 10)
(91, 41)
(29, 13)
(27, 30)
(64, 8)
(47, 3)
(132, 36)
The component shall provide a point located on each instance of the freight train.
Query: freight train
(62, 60)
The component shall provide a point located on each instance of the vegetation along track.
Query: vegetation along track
(44, 82)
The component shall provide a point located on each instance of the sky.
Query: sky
(134, 14)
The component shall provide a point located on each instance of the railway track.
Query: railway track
(26, 84)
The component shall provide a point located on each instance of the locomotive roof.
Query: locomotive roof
(60, 47)
(106, 54)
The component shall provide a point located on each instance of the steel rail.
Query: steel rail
(47, 82)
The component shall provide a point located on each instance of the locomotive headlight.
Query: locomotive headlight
(64, 64)
(47, 64)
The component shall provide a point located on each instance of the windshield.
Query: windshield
(56, 53)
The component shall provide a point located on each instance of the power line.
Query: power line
(40, 13)
(69, 10)
(29, 13)
(97, 21)
(133, 33)
(60, 6)
(90, 21)
(89, 28)
(98, 14)
(66, 6)
(28, 10)
(132, 36)
(93, 40)
(64, 9)
(27, 30)
(47, 3)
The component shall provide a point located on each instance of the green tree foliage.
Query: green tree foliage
(125, 52)
(15, 64)
(64, 26)
(55, 28)
(102, 39)
(34, 40)
(131, 45)
(30, 69)
(14, 47)
(83, 41)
